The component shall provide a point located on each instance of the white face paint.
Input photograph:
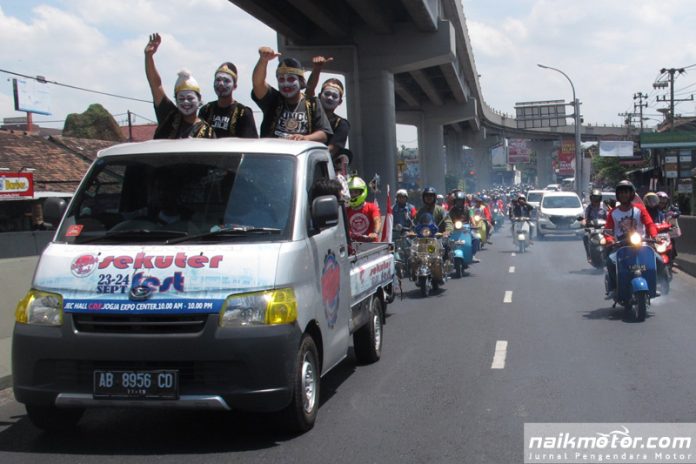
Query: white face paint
(187, 102)
(289, 85)
(224, 84)
(330, 98)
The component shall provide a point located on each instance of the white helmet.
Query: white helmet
(403, 192)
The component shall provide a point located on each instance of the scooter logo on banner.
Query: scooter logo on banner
(84, 265)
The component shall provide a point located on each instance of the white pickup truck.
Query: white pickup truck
(204, 274)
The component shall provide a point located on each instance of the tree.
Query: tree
(608, 170)
(95, 123)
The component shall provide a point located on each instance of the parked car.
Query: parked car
(558, 212)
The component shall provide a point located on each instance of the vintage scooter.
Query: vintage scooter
(461, 247)
(402, 250)
(521, 228)
(636, 275)
(429, 269)
(499, 218)
(594, 232)
(664, 249)
(478, 225)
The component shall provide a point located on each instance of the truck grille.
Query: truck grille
(141, 324)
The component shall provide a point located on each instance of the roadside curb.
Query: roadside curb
(5, 382)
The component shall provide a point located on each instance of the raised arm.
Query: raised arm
(153, 77)
(318, 63)
(258, 77)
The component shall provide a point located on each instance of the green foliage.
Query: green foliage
(95, 123)
(608, 170)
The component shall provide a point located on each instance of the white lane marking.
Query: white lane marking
(514, 254)
(499, 355)
(512, 269)
(508, 296)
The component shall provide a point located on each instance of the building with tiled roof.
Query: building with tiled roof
(57, 163)
(139, 133)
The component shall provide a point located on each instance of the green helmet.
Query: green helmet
(356, 183)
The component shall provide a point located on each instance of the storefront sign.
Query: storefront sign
(16, 184)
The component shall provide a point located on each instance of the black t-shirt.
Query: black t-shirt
(235, 120)
(170, 124)
(341, 128)
(279, 120)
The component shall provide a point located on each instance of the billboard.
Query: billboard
(498, 158)
(538, 114)
(31, 96)
(617, 148)
(518, 152)
(566, 158)
(16, 184)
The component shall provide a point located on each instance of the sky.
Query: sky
(610, 49)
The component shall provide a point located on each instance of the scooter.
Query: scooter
(429, 269)
(664, 250)
(499, 219)
(479, 226)
(594, 232)
(461, 247)
(636, 276)
(521, 228)
(402, 250)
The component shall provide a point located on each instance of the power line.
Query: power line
(44, 81)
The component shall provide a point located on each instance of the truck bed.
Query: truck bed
(371, 267)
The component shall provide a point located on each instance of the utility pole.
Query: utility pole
(656, 85)
(640, 96)
(130, 127)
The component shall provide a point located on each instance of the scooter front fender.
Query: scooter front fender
(639, 284)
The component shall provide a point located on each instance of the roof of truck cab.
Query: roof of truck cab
(229, 144)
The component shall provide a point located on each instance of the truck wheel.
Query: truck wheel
(53, 419)
(367, 341)
(302, 410)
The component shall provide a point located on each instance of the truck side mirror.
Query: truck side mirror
(53, 210)
(325, 211)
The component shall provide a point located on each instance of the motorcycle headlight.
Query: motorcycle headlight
(635, 239)
(458, 224)
(477, 218)
(426, 233)
(520, 236)
(40, 308)
(272, 307)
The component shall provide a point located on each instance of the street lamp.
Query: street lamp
(576, 117)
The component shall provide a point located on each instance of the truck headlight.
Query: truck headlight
(40, 308)
(271, 307)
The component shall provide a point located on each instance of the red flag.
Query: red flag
(388, 220)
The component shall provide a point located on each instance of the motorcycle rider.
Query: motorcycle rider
(459, 211)
(404, 212)
(363, 216)
(595, 210)
(440, 217)
(522, 209)
(628, 216)
(672, 214)
(652, 204)
(485, 212)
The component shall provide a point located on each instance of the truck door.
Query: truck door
(330, 255)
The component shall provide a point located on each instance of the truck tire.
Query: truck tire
(53, 419)
(301, 413)
(367, 341)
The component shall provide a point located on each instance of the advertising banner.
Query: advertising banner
(566, 158)
(518, 152)
(498, 158)
(618, 148)
(16, 184)
(31, 97)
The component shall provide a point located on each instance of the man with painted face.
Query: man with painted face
(228, 117)
(287, 113)
(175, 121)
(331, 96)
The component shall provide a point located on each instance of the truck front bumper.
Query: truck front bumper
(248, 368)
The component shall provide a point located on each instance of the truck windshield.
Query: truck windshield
(156, 198)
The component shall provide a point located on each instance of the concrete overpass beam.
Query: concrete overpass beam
(373, 15)
(427, 86)
(406, 95)
(321, 17)
(432, 155)
(406, 50)
(458, 86)
(424, 13)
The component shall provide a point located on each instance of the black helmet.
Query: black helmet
(596, 194)
(429, 191)
(625, 186)
(459, 198)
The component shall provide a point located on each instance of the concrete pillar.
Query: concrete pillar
(433, 156)
(377, 151)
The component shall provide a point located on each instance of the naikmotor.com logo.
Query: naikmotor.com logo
(617, 443)
(84, 265)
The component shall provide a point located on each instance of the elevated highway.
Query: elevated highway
(408, 62)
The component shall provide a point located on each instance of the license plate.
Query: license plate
(160, 384)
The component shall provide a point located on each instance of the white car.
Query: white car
(534, 197)
(558, 213)
(553, 187)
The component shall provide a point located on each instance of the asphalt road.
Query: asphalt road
(563, 355)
